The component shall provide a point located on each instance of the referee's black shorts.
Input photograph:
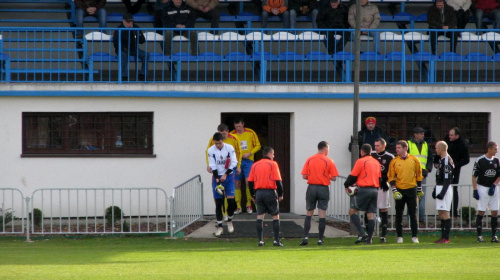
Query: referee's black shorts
(317, 195)
(267, 202)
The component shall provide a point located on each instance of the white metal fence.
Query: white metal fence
(187, 204)
(100, 211)
(465, 219)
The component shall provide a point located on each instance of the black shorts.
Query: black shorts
(365, 200)
(317, 194)
(267, 202)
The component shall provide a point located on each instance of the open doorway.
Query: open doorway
(273, 129)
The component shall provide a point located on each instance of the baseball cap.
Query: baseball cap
(128, 17)
(418, 129)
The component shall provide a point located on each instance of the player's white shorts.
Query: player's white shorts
(445, 203)
(485, 201)
(383, 201)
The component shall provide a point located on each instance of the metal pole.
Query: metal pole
(355, 120)
(28, 220)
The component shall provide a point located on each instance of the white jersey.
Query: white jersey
(223, 159)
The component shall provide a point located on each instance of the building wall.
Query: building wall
(183, 126)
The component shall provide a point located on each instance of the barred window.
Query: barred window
(83, 134)
(399, 126)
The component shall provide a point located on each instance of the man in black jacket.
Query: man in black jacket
(335, 17)
(177, 14)
(459, 152)
(126, 43)
(442, 16)
(303, 8)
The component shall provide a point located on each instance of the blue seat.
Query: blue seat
(343, 55)
(237, 56)
(496, 57)
(422, 17)
(451, 56)
(156, 56)
(266, 55)
(477, 56)
(112, 17)
(404, 17)
(373, 56)
(182, 56)
(318, 56)
(384, 17)
(248, 17)
(143, 17)
(422, 56)
(102, 56)
(392, 56)
(209, 56)
(291, 56)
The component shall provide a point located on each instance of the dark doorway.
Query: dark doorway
(273, 129)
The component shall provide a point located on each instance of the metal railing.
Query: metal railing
(250, 56)
(339, 209)
(101, 211)
(12, 211)
(187, 204)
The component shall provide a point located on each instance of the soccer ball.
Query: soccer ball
(219, 189)
(351, 190)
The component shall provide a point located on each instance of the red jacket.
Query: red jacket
(486, 5)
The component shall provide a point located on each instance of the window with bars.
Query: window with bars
(399, 126)
(82, 134)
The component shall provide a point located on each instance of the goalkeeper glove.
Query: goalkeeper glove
(491, 191)
(434, 193)
(420, 192)
(475, 194)
(397, 195)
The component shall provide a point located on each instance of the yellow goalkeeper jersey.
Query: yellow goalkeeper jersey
(231, 140)
(249, 142)
(406, 172)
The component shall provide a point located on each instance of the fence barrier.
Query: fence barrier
(12, 211)
(464, 220)
(187, 204)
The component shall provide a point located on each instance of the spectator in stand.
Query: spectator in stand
(441, 16)
(303, 8)
(334, 17)
(462, 11)
(159, 6)
(93, 8)
(126, 41)
(370, 19)
(133, 9)
(177, 14)
(275, 8)
(206, 9)
(488, 9)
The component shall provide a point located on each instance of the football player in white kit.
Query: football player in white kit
(222, 160)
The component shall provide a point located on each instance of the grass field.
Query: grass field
(158, 258)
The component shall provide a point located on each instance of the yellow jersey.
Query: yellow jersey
(249, 142)
(406, 172)
(231, 140)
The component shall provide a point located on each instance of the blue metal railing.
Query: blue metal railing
(248, 56)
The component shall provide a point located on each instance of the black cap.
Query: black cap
(334, 1)
(128, 17)
(418, 129)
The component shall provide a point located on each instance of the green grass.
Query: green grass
(159, 258)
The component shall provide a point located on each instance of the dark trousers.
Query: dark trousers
(450, 34)
(133, 9)
(335, 46)
(410, 200)
(462, 18)
(212, 15)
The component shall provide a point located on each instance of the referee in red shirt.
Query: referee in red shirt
(367, 174)
(266, 188)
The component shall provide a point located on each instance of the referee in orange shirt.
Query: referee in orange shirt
(266, 189)
(318, 170)
(367, 174)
